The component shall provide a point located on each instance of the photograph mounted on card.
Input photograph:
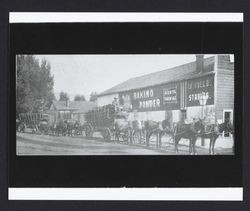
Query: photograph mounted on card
(108, 103)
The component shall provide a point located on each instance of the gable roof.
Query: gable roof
(172, 74)
(77, 106)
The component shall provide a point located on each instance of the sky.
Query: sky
(82, 74)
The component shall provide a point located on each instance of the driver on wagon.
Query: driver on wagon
(115, 103)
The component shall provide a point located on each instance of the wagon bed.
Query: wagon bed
(102, 119)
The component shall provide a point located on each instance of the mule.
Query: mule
(213, 131)
(152, 128)
(137, 131)
(159, 129)
(78, 128)
(187, 131)
(166, 128)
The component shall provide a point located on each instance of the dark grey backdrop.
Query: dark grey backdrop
(179, 5)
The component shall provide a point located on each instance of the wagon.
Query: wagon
(36, 122)
(108, 121)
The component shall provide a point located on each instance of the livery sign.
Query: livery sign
(198, 87)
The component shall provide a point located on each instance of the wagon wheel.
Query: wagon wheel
(88, 131)
(106, 134)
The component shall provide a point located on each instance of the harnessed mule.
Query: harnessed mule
(72, 126)
(158, 129)
(166, 128)
(187, 131)
(152, 128)
(137, 131)
(213, 131)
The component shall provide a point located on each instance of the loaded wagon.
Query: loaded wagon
(109, 121)
(36, 122)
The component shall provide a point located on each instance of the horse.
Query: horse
(158, 129)
(166, 128)
(71, 127)
(187, 131)
(152, 128)
(78, 128)
(213, 131)
(137, 131)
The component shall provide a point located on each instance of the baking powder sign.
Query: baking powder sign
(146, 99)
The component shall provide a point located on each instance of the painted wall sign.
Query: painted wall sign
(163, 97)
(198, 87)
(170, 95)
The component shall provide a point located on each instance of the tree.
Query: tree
(34, 84)
(79, 98)
(93, 97)
(63, 96)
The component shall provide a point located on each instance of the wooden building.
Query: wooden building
(62, 110)
(203, 88)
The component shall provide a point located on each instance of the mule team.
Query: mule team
(146, 129)
(198, 128)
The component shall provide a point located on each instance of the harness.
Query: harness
(185, 130)
(212, 130)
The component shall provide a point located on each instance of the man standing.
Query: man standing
(115, 103)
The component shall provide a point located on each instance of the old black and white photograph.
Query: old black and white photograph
(118, 106)
(129, 104)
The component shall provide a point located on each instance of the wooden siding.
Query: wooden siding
(225, 91)
(224, 62)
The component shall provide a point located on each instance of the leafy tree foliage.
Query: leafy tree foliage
(63, 96)
(34, 84)
(79, 98)
(93, 96)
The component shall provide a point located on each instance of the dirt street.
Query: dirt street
(32, 144)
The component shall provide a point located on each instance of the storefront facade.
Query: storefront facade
(171, 99)
(206, 92)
